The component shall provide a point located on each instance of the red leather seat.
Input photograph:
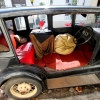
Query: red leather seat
(25, 53)
(3, 40)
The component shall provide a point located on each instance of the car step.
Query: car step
(70, 81)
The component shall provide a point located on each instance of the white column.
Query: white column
(60, 2)
(80, 2)
(8, 3)
(87, 3)
(91, 17)
(94, 2)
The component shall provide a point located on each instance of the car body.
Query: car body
(31, 57)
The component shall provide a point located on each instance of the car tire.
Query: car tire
(22, 88)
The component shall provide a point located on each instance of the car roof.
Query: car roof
(21, 11)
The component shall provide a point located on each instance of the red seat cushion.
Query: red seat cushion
(25, 53)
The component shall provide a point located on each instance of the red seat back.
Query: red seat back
(4, 42)
(13, 40)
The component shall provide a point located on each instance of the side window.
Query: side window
(61, 20)
(3, 43)
(9, 24)
(20, 23)
(87, 20)
(35, 21)
(81, 19)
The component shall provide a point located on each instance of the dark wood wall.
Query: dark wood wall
(18, 2)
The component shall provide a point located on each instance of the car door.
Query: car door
(7, 52)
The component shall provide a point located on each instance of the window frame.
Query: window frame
(11, 52)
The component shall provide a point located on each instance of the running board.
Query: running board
(70, 81)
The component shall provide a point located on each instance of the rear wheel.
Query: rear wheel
(22, 88)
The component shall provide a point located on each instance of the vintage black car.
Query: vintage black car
(48, 47)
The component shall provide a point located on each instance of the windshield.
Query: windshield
(88, 20)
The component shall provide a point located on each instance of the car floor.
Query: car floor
(79, 57)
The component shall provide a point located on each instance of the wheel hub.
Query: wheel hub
(24, 88)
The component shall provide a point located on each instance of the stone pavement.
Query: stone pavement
(90, 96)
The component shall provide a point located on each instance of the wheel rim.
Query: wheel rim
(23, 90)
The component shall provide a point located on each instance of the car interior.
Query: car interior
(54, 49)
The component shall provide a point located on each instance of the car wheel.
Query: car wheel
(22, 88)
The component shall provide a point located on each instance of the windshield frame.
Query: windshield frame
(22, 11)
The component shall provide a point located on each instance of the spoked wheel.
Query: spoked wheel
(22, 88)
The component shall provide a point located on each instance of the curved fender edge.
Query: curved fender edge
(15, 72)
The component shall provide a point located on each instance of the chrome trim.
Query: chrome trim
(19, 11)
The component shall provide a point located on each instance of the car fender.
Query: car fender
(22, 71)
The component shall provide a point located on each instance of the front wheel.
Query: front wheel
(22, 88)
